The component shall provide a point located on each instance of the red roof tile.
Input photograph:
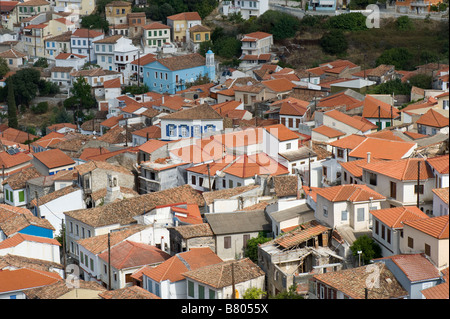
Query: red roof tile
(54, 158)
(20, 279)
(394, 217)
(434, 119)
(436, 227)
(382, 149)
(440, 163)
(349, 192)
(402, 170)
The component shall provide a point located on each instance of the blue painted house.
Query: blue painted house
(197, 121)
(171, 74)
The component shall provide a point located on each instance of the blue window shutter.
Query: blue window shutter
(192, 131)
(167, 130)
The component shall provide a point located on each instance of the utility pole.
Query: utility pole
(209, 178)
(379, 117)
(63, 235)
(418, 183)
(309, 171)
(232, 281)
(109, 261)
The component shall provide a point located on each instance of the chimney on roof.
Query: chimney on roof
(368, 157)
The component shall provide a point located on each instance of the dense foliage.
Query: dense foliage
(95, 21)
(281, 25)
(348, 21)
(401, 58)
(252, 246)
(369, 248)
(334, 42)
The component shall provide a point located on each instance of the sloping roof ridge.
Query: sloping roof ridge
(443, 229)
(184, 262)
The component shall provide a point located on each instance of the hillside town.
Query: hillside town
(255, 181)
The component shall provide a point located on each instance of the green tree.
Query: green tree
(82, 92)
(401, 58)
(422, 81)
(227, 47)
(404, 23)
(281, 25)
(254, 293)
(25, 82)
(348, 21)
(395, 86)
(369, 248)
(12, 109)
(3, 67)
(334, 42)
(41, 63)
(291, 293)
(95, 21)
(251, 250)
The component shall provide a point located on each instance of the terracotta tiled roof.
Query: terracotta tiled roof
(222, 275)
(15, 261)
(328, 131)
(348, 142)
(132, 292)
(174, 268)
(34, 3)
(61, 288)
(17, 136)
(12, 221)
(244, 166)
(403, 170)
(110, 39)
(54, 195)
(355, 167)
(12, 54)
(182, 62)
(21, 279)
(394, 217)
(185, 16)
(144, 60)
(53, 158)
(155, 25)
(350, 121)
(279, 85)
(122, 212)
(10, 161)
(19, 180)
(281, 132)
(19, 238)
(203, 111)
(84, 33)
(440, 291)
(101, 165)
(254, 36)
(436, 227)
(349, 192)
(386, 135)
(416, 267)
(371, 106)
(129, 254)
(352, 282)
(434, 119)
(285, 185)
(442, 193)
(440, 163)
(383, 149)
(152, 132)
(193, 231)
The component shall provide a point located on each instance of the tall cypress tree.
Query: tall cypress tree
(12, 109)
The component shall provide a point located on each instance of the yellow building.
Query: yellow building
(197, 35)
(116, 12)
(26, 10)
(182, 22)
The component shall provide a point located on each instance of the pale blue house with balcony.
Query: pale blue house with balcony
(170, 75)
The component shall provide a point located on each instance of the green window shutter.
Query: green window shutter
(201, 292)
(190, 289)
(11, 196)
(212, 294)
(22, 196)
(7, 194)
